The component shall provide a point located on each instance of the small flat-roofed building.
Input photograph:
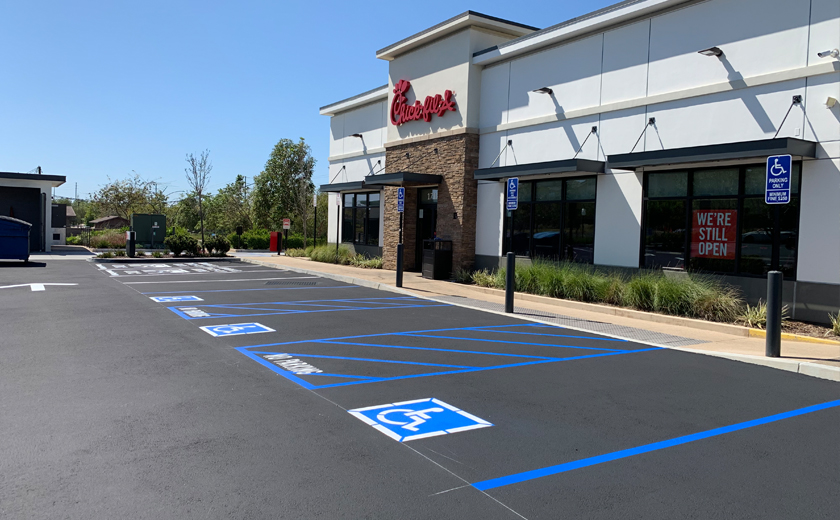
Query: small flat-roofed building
(28, 197)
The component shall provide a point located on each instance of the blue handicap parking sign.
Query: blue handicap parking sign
(512, 193)
(410, 420)
(235, 329)
(779, 174)
(168, 299)
(400, 200)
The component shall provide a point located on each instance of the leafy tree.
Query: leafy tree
(285, 186)
(184, 213)
(230, 207)
(198, 177)
(127, 196)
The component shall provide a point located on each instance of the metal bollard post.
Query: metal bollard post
(773, 343)
(510, 281)
(399, 265)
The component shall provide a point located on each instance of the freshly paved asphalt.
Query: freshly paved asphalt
(117, 406)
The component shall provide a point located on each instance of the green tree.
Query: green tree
(284, 189)
(132, 195)
(230, 207)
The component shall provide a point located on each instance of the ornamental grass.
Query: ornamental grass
(691, 295)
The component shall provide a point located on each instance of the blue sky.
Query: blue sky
(93, 90)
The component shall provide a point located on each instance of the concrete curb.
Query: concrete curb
(337, 277)
(791, 365)
(758, 333)
(149, 259)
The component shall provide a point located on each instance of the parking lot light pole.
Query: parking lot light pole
(400, 255)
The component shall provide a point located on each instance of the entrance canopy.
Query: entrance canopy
(716, 152)
(342, 186)
(541, 168)
(401, 179)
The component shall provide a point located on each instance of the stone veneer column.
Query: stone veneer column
(454, 158)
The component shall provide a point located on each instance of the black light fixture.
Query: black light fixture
(544, 90)
(357, 135)
(711, 51)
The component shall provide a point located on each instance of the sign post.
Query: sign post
(779, 177)
(315, 222)
(400, 210)
(510, 274)
(287, 223)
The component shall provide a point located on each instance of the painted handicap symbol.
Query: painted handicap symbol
(235, 329)
(167, 299)
(415, 418)
(777, 169)
(410, 420)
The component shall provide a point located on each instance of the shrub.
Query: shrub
(308, 250)
(295, 241)
(295, 253)
(120, 252)
(218, 244)
(462, 275)
(157, 254)
(74, 241)
(106, 254)
(327, 254)
(137, 252)
(835, 323)
(256, 239)
(234, 240)
(640, 292)
(182, 244)
(483, 278)
(108, 239)
(755, 316)
(367, 263)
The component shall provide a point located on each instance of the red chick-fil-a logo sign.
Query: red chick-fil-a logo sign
(402, 112)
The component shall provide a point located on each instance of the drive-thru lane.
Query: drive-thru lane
(300, 396)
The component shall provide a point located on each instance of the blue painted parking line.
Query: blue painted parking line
(552, 335)
(259, 289)
(280, 308)
(647, 448)
(413, 334)
(523, 358)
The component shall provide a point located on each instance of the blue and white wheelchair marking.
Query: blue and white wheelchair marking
(170, 299)
(236, 329)
(411, 420)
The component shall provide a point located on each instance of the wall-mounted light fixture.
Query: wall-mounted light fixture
(544, 90)
(833, 53)
(357, 135)
(711, 51)
(830, 102)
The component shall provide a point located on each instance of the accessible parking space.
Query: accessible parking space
(494, 416)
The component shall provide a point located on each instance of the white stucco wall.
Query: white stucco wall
(489, 218)
(618, 219)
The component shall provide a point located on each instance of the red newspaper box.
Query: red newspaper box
(274, 243)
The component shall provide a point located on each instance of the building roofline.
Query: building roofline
(356, 101)
(54, 180)
(447, 27)
(596, 21)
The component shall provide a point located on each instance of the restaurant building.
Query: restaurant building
(639, 134)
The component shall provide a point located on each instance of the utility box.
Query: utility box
(14, 239)
(150, 229)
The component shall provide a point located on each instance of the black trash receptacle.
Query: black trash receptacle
(437, 259)
(14, 239)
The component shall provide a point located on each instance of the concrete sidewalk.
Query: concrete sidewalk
(820, 359)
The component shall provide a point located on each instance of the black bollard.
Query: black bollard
(510, 281)
(399, 265)
(773, 342)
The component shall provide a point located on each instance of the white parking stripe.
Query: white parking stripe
(235, 280)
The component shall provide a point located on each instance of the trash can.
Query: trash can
(437, 259)
(274, 242)
(14, 239)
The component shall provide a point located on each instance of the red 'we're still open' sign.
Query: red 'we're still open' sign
(713, 233)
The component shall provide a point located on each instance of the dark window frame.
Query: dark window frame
(740, 197)
(532, 206)
(366, 233)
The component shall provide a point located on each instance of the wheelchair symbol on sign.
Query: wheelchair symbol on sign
(416, 417)
(777, 169)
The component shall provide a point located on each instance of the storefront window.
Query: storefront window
(716, 221)
(555, 220)
(360, 223)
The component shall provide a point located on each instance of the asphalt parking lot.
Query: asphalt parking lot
(228, 389)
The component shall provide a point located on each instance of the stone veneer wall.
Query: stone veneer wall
(455, 160)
